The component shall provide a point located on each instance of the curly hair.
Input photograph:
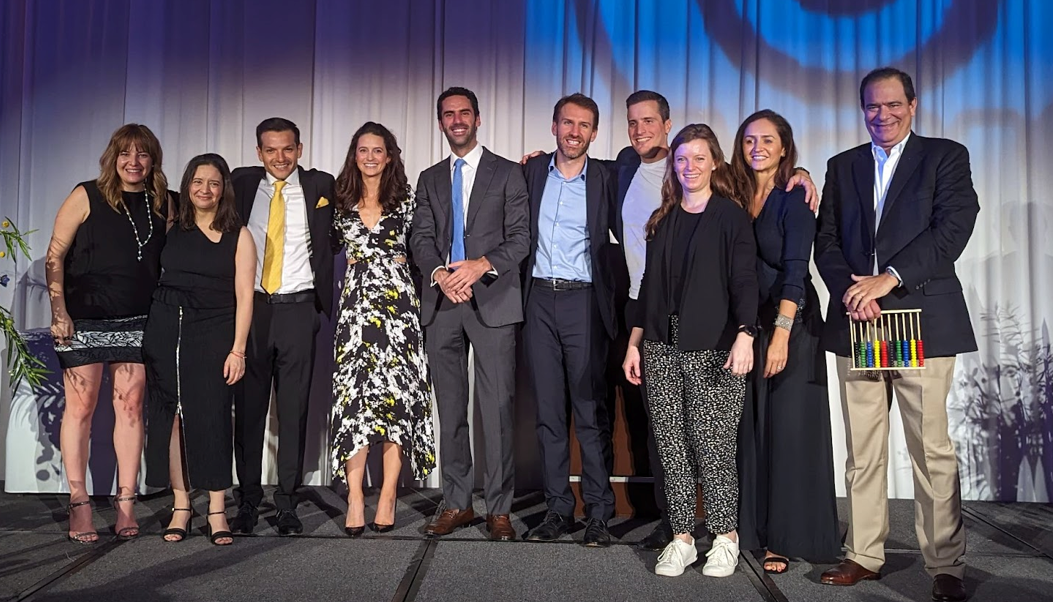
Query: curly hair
(394, 187)
(126, 137)
(672, 190)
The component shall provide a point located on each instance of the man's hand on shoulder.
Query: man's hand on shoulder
(801, 177)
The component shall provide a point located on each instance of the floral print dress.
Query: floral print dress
(381, 389)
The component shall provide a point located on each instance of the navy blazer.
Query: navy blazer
(926, 221)
(599, 198)
(316, 185)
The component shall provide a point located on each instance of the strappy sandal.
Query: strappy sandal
(214, 537)
(777, 560)
(87, 537)
(182, 533)
(128, 532)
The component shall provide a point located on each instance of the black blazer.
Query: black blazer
(599, 198)
(927, 219)
(720, 285)
(496, 226)
(624, 168)
(316, 186)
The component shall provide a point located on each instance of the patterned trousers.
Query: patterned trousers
(695, 407)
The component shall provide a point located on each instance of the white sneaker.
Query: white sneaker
(723, 558)
(676, 557)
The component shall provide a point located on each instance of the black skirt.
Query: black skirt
(103, 340)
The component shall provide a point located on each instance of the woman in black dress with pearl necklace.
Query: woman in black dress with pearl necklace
(102, 266)
(785, 458)
(194, 346)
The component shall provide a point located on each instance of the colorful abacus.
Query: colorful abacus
(892, 342)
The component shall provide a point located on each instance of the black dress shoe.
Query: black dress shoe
(948, 588)
(245, 521)
(379, 528)
(289, 523)
(551, 528)
(659, 538)
(596, 534)
(355, 532)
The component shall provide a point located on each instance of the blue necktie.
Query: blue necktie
(457, 244)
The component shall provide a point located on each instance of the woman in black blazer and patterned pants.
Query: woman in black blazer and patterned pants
(698, 307)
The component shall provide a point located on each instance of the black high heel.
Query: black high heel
(182, 533)
(379, 528)
(214, 537)
(128, 532)
(80, 536)
(355, 532)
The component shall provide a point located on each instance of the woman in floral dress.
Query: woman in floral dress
(381, 389)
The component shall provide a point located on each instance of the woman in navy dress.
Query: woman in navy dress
(786, 506)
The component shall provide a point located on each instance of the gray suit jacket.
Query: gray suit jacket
(497, 226)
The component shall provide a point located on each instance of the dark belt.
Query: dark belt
(558, 284)
(297, 297)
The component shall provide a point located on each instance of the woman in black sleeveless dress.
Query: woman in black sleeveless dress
(785, 456)
(102, 266)
(194, 346)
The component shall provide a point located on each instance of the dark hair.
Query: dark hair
(276, 124)
(886, 73)
(645, 95)
(582, 101)
(226, 219)
(672, 191)
(742, 174)
(127, 136)
(457, 91)
(394, 187)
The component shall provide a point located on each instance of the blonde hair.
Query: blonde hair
(127, 136)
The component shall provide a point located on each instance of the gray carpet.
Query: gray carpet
(1010, 557)
(27, 557)
(542, 572)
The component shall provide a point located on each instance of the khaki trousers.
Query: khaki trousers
(922, 397)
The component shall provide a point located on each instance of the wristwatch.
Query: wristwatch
(749, 330)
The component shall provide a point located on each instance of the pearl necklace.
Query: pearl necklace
(149, 218)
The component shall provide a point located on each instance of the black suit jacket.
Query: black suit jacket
(926, 221)
(624, 168)
(496, 226)
(316, 185)
(720, 280)
(599, 198)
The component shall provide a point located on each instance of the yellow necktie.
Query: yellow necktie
(274, 251)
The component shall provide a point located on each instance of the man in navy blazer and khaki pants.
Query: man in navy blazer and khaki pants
(470, 233)
(895, 216)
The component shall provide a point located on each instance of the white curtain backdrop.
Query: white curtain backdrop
(203, 73)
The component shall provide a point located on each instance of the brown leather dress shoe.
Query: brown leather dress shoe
(500, 527)
(450, 519)
(948, 588)
(848, 573)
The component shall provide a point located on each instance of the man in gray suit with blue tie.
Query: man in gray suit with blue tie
(470, 233)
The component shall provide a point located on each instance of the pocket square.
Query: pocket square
(322, 202)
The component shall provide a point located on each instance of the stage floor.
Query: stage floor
(1010, 558)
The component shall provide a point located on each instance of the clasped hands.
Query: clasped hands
(456, 281)
(861, 298)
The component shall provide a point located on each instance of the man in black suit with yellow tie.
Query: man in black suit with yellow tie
(896, 214)
(470, 233)
(287, 210)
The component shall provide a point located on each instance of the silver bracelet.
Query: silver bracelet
(784, 322)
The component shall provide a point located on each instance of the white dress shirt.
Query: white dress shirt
(297, 274)
(884, 168)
